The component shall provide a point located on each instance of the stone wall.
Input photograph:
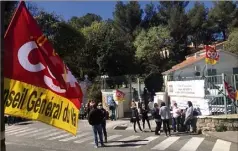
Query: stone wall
(217, 123)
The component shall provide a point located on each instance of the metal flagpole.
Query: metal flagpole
(3, 145)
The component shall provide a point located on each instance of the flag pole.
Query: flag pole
(3, 145)
(11, 19)
(206, 75)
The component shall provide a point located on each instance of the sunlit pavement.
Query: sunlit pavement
(40, 137)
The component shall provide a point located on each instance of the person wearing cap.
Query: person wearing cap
(104, 113)
(95, 118)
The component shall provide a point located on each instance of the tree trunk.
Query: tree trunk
(2, 135)
(224, 35)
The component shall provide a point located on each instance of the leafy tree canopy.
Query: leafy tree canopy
(232, 41)
(222, 15)
(84, 21)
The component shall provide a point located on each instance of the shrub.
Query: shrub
(220, 128)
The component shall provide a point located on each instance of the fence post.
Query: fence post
(224, 90)
(130, 81)
(234, 79)
(139, 88)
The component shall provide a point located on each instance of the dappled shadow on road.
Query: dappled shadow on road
(131, 143)
(146, 131)
(25, 123)
(184, 133)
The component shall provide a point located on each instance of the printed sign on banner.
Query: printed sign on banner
(198, 103)
(193, 88)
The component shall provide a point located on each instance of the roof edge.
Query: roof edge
(220, 50)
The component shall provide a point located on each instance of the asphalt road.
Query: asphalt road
(40, 137)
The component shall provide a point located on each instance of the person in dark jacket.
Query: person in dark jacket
(144, 113)
(88, 107)
(157, 117)
(112, 107)
(135, 116)
(95, 118)
(104, 113)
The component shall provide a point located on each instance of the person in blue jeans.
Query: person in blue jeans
(112, 107)
(104, 127)
(95, 118)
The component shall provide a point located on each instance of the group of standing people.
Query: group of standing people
(97, 117)
(163, 115)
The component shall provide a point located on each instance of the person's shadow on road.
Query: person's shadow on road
(131, 143)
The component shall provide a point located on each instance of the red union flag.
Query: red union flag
(231, 92)
(37, 83)
(120, 95)
(212, 55)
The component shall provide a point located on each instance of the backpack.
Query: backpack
(111, 107)
(195, 113)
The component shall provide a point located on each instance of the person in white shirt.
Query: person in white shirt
(151, 105)
(176, 117)
(165, 116)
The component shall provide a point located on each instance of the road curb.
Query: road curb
(206, 133)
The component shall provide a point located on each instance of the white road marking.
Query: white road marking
(52, 134)
(221, 145)
(15, 130)
(22, 131)
(84, 139)
(75, 137)
(166, 143)
(60, 136)
(192, 144)
(42, 133)
(27, 133)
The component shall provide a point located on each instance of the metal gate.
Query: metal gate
(215, 91)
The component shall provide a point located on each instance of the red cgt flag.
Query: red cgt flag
(24, 32)
(231, 91)
(120, 95)
(37, 83)
(212, 55)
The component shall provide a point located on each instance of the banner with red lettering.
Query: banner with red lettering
(37, 83)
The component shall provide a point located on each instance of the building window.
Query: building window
(212, 77)
(211, 72)
(235, 70)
